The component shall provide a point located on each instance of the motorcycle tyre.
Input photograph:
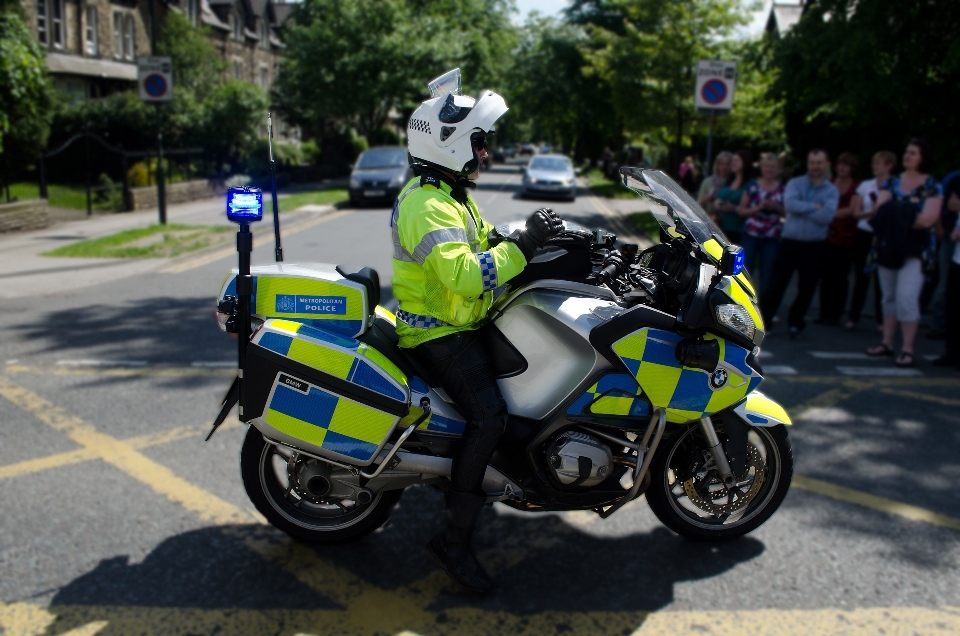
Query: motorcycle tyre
(657, 496)
(250, 455)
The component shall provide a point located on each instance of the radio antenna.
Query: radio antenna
(278, 250)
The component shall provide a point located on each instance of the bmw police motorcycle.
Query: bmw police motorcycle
(625, 372)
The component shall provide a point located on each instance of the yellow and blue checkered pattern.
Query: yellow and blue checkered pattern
(339, 307)
(687, 394)
(323, 419)
(614, 394)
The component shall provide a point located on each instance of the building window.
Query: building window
(129, 38)
(237, 69)
(90, 31)
(237, 27)
(56, 24)
(264, 78)
(124, 36)
(118, 35)
(264, 39)
(42, 21)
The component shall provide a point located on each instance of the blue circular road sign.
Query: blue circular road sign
(155, 85)
(714, 91)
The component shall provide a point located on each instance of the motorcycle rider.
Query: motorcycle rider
(444, 274)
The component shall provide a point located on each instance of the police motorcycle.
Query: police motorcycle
(626, 373)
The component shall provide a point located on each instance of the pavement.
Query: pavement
(118, 519)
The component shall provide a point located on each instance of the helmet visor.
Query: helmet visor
(449, 82)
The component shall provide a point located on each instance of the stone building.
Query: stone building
(92, 45)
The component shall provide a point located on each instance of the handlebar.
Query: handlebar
(612, 267)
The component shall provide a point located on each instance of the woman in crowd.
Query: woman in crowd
(712, 184)
(688, 175)
(864, 207)
(762, 206)
(841, 235)
(726, 203)
(915, 189)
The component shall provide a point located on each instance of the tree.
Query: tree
(25, 94)
(547, 86)
(647, 51)
(357, 61)
(866, 74)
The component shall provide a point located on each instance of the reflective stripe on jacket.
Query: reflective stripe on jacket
(444, 270)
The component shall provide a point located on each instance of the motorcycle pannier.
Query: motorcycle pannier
(315, 294)
(323, 393)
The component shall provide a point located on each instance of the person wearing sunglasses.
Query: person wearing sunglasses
(444, 274)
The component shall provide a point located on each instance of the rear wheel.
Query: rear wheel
(688, 495)
(289, 506)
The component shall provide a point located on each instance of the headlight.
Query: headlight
(529, 180)
(736, 317)
(354, 183)
(398, 180)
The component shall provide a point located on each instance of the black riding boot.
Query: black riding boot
(451, 550)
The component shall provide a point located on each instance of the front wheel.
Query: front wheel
(688, 495)
(279, 485)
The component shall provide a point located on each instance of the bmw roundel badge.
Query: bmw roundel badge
(719, 378)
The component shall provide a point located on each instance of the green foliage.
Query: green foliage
(234, 112)
(547, 85)
(351, 63)
(138, 176)
(284, 154)
(647, 51)
(867, 74)
(25, 95)
(311, 150)
(383, 137)
(197, 67)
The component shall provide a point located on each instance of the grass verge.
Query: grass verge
(604, 187)
(645, 223)
(155, 241)
(58, 196)
(314, 197)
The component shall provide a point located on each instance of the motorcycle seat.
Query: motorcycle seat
(382, 336)
(366, 276)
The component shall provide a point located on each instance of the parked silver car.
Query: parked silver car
(379, 174)
(550, 175)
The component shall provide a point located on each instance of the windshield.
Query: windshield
(552, 164)
(674, 209)
(383, 158)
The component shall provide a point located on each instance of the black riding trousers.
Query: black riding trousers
(462, 365)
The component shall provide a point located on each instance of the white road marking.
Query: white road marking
(212, 364)
(841, 355)
(779, 369)
(881, 371)
(102, 363)
(14, 361)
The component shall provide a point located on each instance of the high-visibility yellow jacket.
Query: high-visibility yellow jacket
(444, 270)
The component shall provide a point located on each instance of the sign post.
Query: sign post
(155, 86)
(714, 95)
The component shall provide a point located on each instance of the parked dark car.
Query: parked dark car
(527, 149)
(550, 175)
(379, 174)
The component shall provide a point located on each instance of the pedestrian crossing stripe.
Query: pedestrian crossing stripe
(686, 393)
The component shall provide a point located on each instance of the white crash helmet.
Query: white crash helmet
(440, 129)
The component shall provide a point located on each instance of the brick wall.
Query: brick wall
(24, 215)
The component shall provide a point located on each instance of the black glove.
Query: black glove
(541, 226)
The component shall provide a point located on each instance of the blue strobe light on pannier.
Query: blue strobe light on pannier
(244, 204)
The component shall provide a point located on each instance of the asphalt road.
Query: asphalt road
(118, 519)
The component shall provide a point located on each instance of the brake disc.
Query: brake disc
(708, 501)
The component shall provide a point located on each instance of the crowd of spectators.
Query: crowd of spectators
(897, 231)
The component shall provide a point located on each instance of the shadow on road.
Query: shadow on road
(542, 566)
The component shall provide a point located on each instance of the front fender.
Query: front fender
(759, 410)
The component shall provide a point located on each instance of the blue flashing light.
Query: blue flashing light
(244, 204)
(738, 261)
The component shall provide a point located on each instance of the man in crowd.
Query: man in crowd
(810, 203)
